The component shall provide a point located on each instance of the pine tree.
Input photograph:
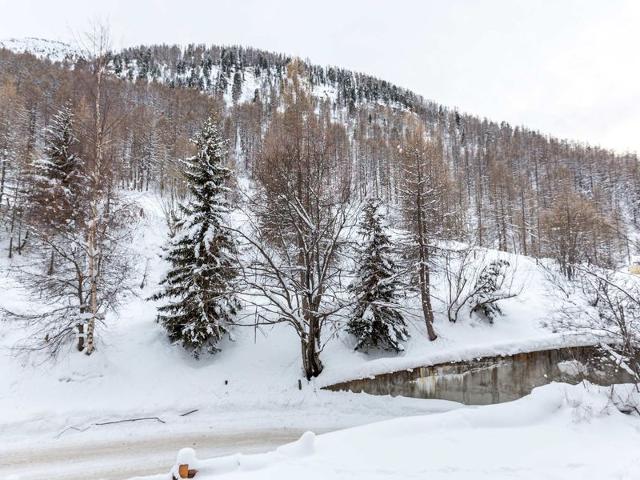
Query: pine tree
(199, 285)
(376, 321)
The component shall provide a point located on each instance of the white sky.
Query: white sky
(566, 67)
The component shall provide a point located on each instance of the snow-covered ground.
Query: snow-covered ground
(136, 371)
(42, 48)
(110, 458)
(250, 386)
(558, 432)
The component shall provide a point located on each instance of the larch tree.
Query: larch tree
(199, 286)
(423, 195)
(575, 232)
(376, 320)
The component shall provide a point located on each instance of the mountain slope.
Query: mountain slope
(51, 50)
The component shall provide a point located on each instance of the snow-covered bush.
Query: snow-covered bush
(606, 304)
(476, 284)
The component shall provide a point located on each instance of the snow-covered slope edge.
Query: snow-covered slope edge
(558, 431)
(137, 372)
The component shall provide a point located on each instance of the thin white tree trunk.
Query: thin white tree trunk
(92, 237)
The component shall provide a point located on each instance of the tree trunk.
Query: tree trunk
(92, 233)
(311, 362)
(51, 264)
(80, 344)
(425, 294)
(523, 219)
(424, 276)
(3, 176)
(82, 307)
(92, 274)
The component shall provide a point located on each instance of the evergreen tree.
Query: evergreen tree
(58, 180)
(236, 89)
(199, 285)
(376, 321)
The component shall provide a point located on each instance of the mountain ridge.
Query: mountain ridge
(127, 59)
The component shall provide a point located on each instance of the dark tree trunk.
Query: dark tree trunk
(80, 344)
(311, 359)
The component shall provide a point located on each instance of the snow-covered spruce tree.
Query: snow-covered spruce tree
(200, 283)
(57, 179)
(376, 321)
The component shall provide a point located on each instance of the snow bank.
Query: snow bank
(457, 353)
(557, 432)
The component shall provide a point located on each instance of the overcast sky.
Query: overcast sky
(566, 67)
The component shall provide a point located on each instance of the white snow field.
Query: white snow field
(558, 432)
(56, 416)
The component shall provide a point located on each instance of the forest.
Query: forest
(324, 154)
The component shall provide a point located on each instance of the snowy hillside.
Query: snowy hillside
(250, 388)
(137, 372)
(311, 147)
(47, 49)
(221, 261)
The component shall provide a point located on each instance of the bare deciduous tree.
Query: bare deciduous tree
(302, 215)
(605, 304)
(423, 187)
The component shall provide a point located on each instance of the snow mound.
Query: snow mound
(303, 447)
(559, 431)
(186, 456)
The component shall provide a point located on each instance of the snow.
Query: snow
(572, 368)
(252, 384)
(187, 456)
(137, 385)
(557, 432)
(52, 50)
(457, 349)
